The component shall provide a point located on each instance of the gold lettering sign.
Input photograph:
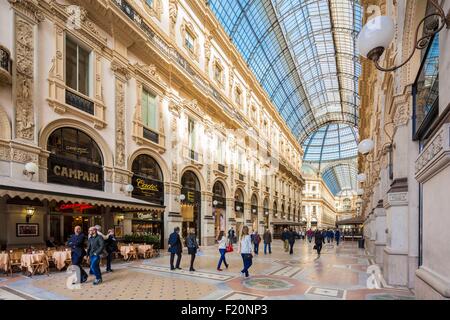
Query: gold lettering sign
(145, 186)
(190, 197)
(75, 174)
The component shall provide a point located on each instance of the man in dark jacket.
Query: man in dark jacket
(267, 237)
(318, 239)
(192, 245)
(95, 249)
(76, 244)
(111, 247)
(337, 236)
(231, 235)
(291, 240)
(284, 238)
(175, 248)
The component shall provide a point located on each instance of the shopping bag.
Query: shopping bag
(229, 248)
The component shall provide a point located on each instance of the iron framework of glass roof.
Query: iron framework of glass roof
(304, 54)
(331, 142)
(340, 176)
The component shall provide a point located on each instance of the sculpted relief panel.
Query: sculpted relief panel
(24, 80)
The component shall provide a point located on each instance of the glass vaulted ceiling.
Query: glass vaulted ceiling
(304, 55)
(331, 142)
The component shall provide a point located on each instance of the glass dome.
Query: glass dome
(331, 142)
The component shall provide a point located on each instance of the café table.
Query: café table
(60, 258)
(35, 263)
(4, 261)
(143, 249)
(128, 251)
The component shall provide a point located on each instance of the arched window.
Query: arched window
(75, 159)
(147, 179)
(190, 181)
(218, 189)
(74, 144)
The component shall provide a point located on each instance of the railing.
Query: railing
(150, 135)
(76, 100)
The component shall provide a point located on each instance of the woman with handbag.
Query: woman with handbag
(224, 247)
(245, 249)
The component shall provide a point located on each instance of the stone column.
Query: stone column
(230, 215)
(172, 216)
(380, 232)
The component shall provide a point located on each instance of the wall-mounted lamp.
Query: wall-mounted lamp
(254, 210)
(30, 169)
(266, 213)
(128, 189)
(238, 208)
(182, 197)
(30, 213)
(365, 146)
(215, 203)
(378, 33)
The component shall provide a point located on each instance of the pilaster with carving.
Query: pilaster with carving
(173, 14)
(27, 16)
(122, 76)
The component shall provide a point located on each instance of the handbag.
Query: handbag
(229, 248)
(315, 247)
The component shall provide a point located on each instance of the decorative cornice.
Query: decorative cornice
(28, 8)
(121, 70)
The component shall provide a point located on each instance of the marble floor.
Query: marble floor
(341, 273)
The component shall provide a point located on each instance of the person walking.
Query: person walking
(76, 244)
(267, 238)
(111, 247)
(284, 238)
(245, 249)
(231, 235)
(309, 234)
(337, 236)
(192, 245)
(324, 235)
(95, 249)
(318, 240)
(222, 240)
(291, 240)
(175, 248)
(256, 242)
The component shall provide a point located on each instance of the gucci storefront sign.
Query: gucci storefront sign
(74, 173)
(148, 190)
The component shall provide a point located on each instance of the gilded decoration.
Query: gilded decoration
(24, 79)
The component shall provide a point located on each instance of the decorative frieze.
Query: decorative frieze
(24, 79)
(120, 123)
(435, 156)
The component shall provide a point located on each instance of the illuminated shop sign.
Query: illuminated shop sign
(75, 206)
(148, 189)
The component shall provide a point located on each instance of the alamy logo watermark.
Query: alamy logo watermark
(374, 279)
(73, 282)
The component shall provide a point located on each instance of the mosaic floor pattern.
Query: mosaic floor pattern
(340, 273)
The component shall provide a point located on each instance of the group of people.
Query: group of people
(99, 245)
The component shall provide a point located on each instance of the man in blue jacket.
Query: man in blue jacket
(337, 236)
(76, 244)
(175, 248)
